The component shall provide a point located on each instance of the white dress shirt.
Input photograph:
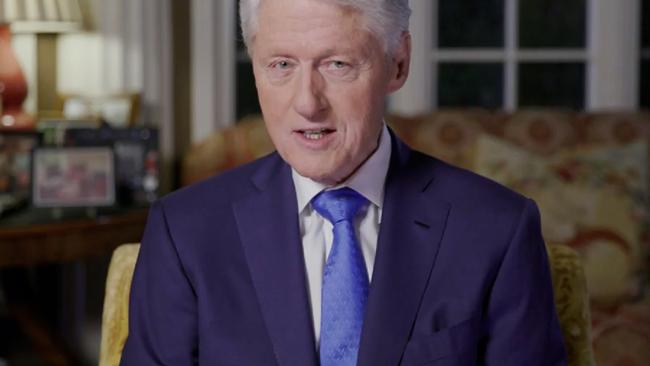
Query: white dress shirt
(316, 232)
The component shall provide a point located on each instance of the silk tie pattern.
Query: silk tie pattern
(345, 280)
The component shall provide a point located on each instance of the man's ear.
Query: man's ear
(400, 63)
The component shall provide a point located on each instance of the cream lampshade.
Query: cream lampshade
(41, 16)
(27, 16)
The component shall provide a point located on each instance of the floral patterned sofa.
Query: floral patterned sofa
(588, 173)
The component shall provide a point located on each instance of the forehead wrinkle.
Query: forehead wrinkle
(311, 42)
(310, 49)
(279, 19)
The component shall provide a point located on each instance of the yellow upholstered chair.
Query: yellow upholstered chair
(115, 320)
(572, 303)
(571, 300)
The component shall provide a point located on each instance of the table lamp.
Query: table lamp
(27, 16)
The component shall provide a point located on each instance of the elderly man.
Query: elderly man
(344, 247)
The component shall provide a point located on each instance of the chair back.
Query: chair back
(571, 300)
(572, 303)
(115, 318)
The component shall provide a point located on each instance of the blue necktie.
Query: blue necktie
(345, 280)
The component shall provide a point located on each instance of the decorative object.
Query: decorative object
(118, 110)
(13, 87)
(73, 177)
(15, 167)
(53, 130)
(136, 159)
(28, 16)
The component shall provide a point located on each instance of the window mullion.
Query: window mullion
(510, 62)
(469, 55)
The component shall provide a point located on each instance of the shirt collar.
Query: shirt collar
(368, 180)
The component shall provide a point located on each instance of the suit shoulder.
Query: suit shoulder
(462, 187)
(222, 188)
(491, 210)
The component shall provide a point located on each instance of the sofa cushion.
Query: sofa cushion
(593, 199)
(226, 149)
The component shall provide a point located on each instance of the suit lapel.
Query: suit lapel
(411, 230)
(268, 226)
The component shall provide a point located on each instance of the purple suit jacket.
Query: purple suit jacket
(461, 274)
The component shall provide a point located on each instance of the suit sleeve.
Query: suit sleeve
(162, 307)
(523, 328)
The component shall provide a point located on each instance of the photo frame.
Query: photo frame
(73, 177)
(137, 163)
(15, 167)
(118, 110)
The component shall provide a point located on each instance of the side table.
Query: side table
(36, 237)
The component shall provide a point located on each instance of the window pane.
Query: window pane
(552, 85)
(470, 23)
(552, 23)
(465, 84)
(645, 84)
(247, 102)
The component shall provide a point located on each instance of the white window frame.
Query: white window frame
(611, 57)
(611, 60)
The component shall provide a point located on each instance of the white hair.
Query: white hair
(386, 19)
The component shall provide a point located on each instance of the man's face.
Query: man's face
(322, 80)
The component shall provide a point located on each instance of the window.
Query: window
(514, 54)
(510, 53)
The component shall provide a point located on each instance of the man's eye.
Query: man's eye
(338, 64)
(281, 65)
(340, 70)
(279, 70)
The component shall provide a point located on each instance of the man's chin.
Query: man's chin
(327, 177)
(322, 178)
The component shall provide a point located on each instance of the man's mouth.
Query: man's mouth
(316, 134)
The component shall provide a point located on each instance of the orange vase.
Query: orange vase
(13, 87)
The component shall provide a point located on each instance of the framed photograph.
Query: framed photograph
(73, 177)
(15, 167)
(118, 110)
(136, 159)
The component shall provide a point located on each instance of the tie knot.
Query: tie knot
(338, 205)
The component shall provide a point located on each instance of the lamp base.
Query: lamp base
(13, 87)
(16, 120)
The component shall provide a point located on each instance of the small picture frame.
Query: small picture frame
(73, 177)
(15, 167)
(118, 110)
(136, 159)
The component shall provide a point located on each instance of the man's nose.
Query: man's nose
(309, 100)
